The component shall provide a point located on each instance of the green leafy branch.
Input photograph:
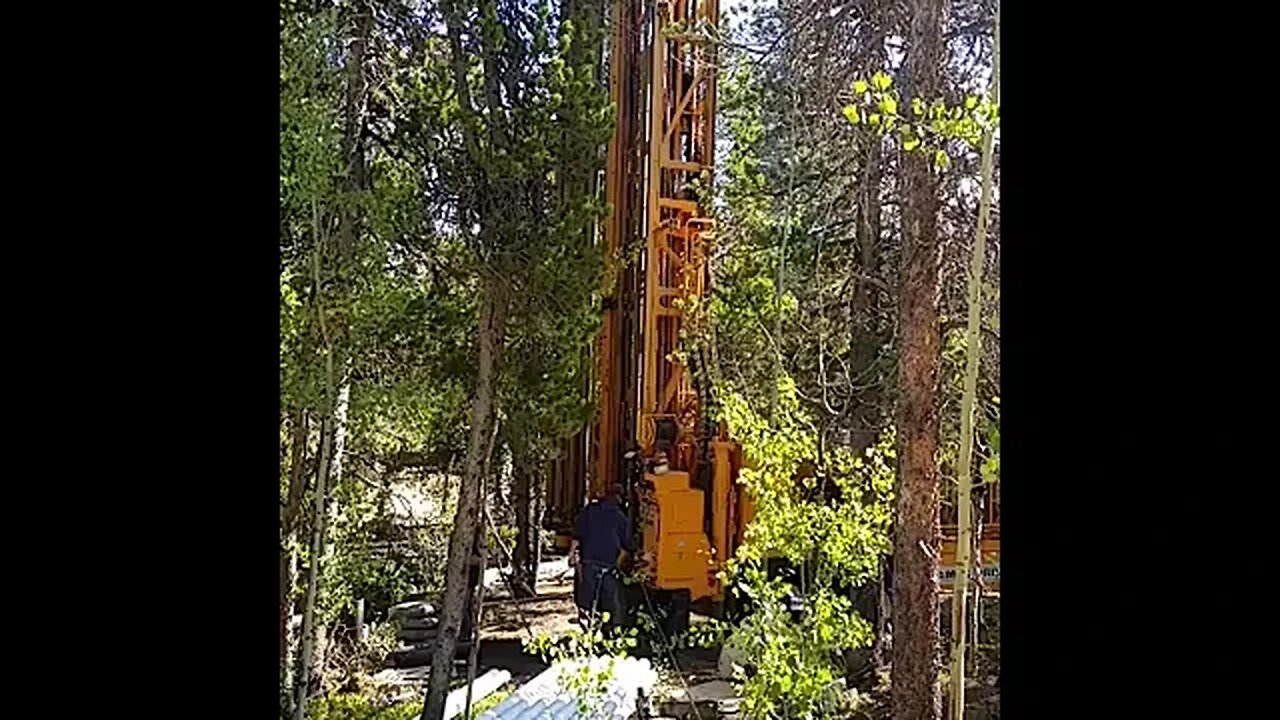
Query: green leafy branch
(828, 515)
(927, 126)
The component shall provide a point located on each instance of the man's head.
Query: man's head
(613, 492)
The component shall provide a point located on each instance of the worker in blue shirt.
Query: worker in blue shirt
(601, 534)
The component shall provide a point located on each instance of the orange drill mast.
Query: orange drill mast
(661, 160)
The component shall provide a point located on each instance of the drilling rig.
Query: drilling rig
(654, 433)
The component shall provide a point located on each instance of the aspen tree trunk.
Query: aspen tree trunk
(319, 514)
(313, 569)
(288, 546)
(973, 349)
(337, 454)
(337, 371)
(299, 433)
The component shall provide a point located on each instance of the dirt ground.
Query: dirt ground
(551, 613)
(508, 623)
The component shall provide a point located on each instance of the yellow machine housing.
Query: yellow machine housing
(680, 556)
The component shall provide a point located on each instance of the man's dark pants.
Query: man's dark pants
(599, 590)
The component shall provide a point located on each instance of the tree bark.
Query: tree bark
(353, 133)
(524, 561)
(883, 649)
(491, 331)
(535, 524)
(493, 310)
(313, 568)
(915, 691)
(297, 471)
(866, 342)
(288, 520)
(337, 370)
(973, 352)
(288, 639)
(337, 455)
(480, 556)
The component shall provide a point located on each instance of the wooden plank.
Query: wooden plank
(484, 686)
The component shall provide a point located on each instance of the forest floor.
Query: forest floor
(552, 612)
(508, 624)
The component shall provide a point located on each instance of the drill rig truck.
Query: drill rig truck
(654, 433)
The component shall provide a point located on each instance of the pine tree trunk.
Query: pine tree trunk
(493, 310)
(480, 556)
(915, 691)
(356, 92)
(524, 560)
(535, 526)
